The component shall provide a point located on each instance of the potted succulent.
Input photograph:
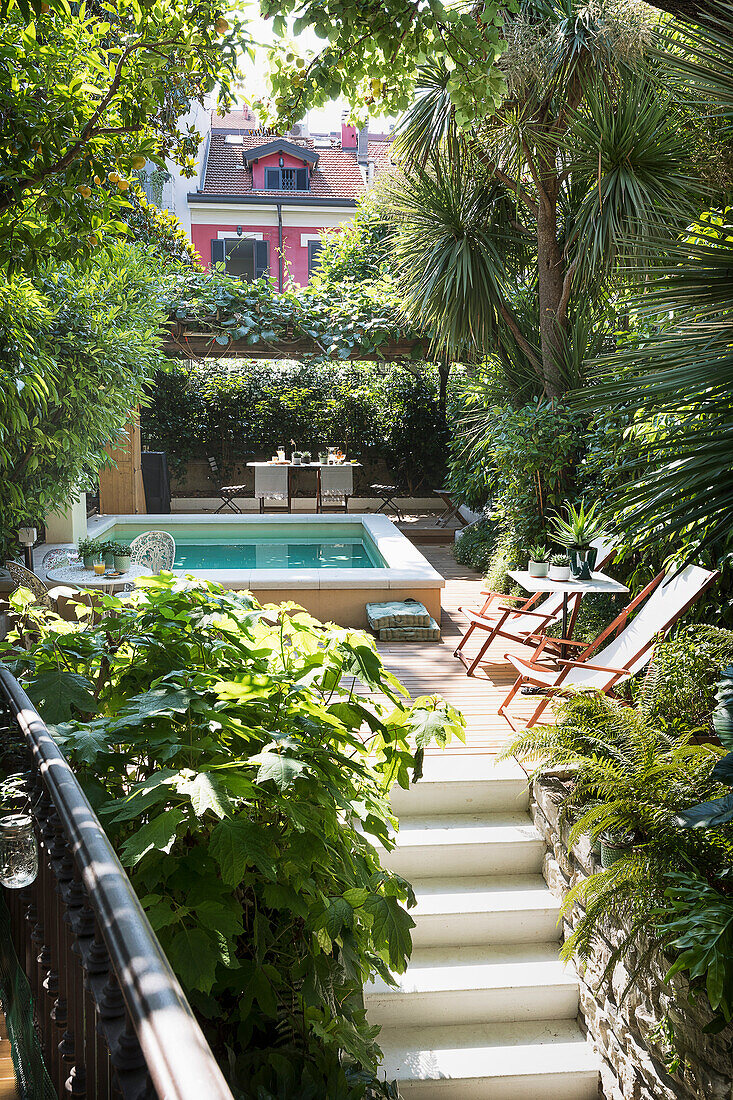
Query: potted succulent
(89, 551)
(295, 458)
(559, 567)
(323, 457)
(306, 458)
(576, 534)
(539, 561)
(614, 846)
(121, 552)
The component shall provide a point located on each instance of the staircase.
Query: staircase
(485, 1010)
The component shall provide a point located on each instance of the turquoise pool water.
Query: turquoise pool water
(234, 546)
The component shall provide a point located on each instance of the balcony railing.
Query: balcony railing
(111, 1017)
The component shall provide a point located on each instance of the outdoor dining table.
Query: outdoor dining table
(598, 583)
(80, 577)
(317, 466)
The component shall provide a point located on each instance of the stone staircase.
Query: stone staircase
(485, 1010)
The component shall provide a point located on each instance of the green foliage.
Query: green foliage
(685, 671)
(476, 546)
(241, 412)
(158, 228)
(539, 553)
(370, 56)
(696, 924)
(581, 526)
(341, 320)
(245, 784)
(355, 252)
(77, 348)
(85, 96)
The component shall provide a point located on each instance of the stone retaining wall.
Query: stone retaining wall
(651, 1040)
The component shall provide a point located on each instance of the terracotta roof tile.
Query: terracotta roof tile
(337, 176)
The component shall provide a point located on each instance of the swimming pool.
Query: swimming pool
(332, 567)
(207, 546)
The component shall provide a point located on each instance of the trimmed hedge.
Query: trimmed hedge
(243, 412)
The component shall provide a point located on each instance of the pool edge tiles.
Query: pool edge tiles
(333, 594)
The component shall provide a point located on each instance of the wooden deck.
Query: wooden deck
(8, 1085)
(429, 668)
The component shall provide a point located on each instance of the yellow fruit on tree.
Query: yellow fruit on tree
(138, 161)
(84, 190)
(123, 184)
(97, 181)
(221, 25)
(113, 177)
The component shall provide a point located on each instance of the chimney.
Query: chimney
(348, 133)
(362, 146)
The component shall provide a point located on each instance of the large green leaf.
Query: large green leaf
(391, 926)
(56, 692)
(283, 770)
(159, 835)
(706, 815)
(206, 793)
(194, 956)
(150, 704)
(237, 844)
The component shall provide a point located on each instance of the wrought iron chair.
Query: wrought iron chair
(24, 578)
(227, 493)
(156, 549)
(55, 559)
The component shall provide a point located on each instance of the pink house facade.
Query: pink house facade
(265, 199)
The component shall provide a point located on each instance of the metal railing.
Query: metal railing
(110, 1014)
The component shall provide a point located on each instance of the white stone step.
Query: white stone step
(476, 985)
(537, 1060)
(463, 783)
(491, 909)
(466, 844)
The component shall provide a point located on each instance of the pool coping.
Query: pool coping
(405, 565)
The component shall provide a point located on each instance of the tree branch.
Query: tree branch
(516, 332)
(562, 309)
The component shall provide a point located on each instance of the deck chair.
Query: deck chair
(657, 607)
(337, 484)
(24, 578)
(226, 492)
(273, 483)
(525, 622)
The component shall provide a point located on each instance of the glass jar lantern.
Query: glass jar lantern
(18, 851)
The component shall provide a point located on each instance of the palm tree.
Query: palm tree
(584, 155)
(678, 382)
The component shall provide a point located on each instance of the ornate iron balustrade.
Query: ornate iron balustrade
(112, 1019)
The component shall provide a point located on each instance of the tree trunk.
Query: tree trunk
(443, 375)
(550, 285)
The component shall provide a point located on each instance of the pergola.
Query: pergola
(121, 486)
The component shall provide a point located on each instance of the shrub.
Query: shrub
(686, 670)
(245, 786)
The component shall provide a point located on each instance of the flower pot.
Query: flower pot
(122, 563)
(582, 561)
(614, 848)
(295, 460)
(538, 568)
(89, 560)
(559, 573)
(108, 558)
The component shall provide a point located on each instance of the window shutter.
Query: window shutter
(218, 252)
(302, 180)
(272, 179)
(262, 258)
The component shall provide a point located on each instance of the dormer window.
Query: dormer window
(287, 179)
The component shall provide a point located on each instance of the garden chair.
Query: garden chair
(156, 549)
(387, 494)
(25, 578)
(337, 483)
(273, 483)
(657, 607)
(226, 492)
(525, 622)
(55, 559)
(452, 510)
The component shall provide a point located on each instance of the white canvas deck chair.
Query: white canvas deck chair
(524, 622)
(273, 483)
(660, 604)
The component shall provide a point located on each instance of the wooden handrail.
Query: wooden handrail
(97, 943)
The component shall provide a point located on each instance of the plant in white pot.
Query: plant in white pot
(576, 533)
(559, 567)
(89, 550)
(539, 561)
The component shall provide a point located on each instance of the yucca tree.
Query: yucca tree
(678, 383)
(554, 192)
